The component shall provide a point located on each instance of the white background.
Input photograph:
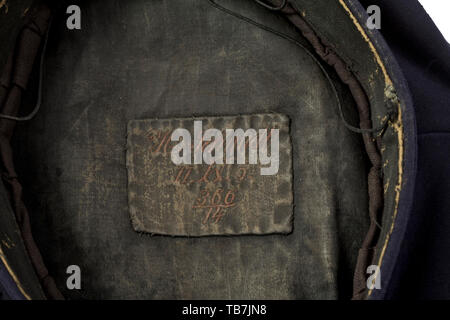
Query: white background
(439, 11)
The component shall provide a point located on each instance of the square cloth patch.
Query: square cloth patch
(203, 199)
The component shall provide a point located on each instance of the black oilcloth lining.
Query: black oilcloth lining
(391, 108)
(82, 196)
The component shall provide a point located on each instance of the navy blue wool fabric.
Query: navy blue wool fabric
(422, 270)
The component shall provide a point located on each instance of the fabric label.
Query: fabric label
(229, 175)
